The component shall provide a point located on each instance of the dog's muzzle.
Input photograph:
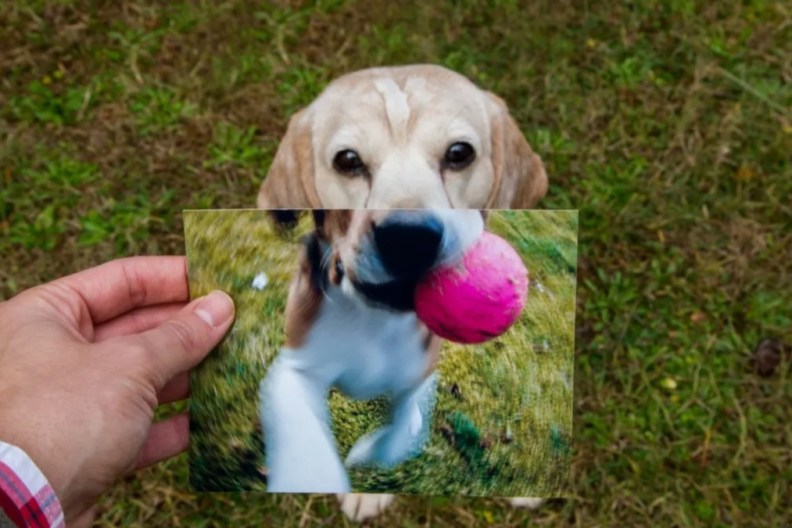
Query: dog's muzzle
(408, 245)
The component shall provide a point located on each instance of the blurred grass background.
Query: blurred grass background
(502, 424)
(667, 123)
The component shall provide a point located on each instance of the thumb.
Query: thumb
(180, 343)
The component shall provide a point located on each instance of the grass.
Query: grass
(667, 123)
(507, 403)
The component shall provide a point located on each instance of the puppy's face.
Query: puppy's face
(378, 257)
(405, 137)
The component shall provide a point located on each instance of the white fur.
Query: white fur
(342, 351)
(396, 107)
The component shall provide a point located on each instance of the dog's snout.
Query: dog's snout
(408, 245)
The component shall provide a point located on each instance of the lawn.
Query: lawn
(668, 124)
(503, 417)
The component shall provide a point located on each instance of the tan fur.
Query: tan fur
(336, 224)
(290, 182)
(302, 305)
(344, 229)
(520, 178)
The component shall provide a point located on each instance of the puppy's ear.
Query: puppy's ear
(290, 182)
(520, 178)
(305, 293)
(314, 255)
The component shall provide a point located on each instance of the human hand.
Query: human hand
(85, 361)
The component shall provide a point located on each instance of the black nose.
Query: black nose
(408, 245)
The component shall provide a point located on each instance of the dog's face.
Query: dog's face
(378, 256)
(405, 137)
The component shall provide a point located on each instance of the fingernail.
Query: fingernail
(215, 308)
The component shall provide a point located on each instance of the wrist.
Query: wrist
(33, 448)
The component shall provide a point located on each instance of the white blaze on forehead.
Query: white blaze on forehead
(396, 107)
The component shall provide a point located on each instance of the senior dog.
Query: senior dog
(408, 137)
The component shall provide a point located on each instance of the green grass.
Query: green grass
(667, 123)
(514, 393)
(157, 109)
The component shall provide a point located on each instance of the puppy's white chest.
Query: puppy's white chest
(365, 352)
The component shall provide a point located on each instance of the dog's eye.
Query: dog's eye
(339, 269)
(459, 155)
(348, 162)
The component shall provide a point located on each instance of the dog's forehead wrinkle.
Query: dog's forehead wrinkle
(397, 109)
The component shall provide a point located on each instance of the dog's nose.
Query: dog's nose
(408, 244)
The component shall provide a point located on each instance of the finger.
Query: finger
(121, 285)
(176, 389)
(166, 439)
(181, 342)
(136, 321)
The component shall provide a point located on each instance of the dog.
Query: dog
(407, 137)
(351, 325)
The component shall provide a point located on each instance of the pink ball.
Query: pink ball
(477, 299)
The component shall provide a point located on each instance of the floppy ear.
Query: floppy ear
(305, 292)
(520, 178)
(290, 182)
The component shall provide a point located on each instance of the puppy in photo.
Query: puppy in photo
(351, 325)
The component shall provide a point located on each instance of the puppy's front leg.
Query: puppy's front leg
(301, 454)
(406, 433)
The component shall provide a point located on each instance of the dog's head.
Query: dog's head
(377, 257)
(404, 137)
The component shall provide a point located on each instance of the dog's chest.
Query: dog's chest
(364, 352)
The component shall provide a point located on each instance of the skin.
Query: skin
(87, 359)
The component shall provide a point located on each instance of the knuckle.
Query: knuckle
(137, 287)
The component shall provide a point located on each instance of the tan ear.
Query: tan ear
(520, 178)
(290, 182)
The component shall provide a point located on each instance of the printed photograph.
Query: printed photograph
(403, 351)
